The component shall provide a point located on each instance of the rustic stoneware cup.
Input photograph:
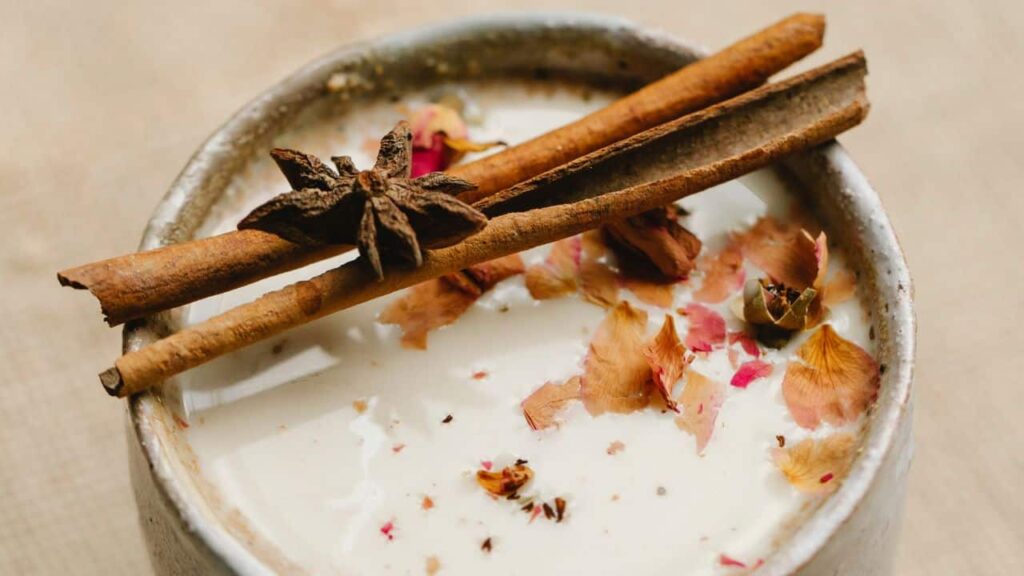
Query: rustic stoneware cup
(189, 529)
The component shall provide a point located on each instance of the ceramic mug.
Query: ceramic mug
(188, 528)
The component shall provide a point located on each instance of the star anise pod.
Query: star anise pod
(382, 210)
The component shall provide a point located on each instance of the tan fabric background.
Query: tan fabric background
(102, 103)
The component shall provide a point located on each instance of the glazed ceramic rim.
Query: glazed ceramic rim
(859, 199)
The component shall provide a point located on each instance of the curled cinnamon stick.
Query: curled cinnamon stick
(140, 284)
(666, 163)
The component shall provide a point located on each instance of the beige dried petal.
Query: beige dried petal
(701, 400)
(616, 375)
(723, 275)
(542, 407)
(817, 466)
(836, 382)
(557, 275)
(667, 358)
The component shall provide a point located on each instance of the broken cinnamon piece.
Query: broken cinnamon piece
(657, 239)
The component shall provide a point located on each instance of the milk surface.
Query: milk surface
(329, 438)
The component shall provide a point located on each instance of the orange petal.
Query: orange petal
(616, 375)
(817, 466)
(487, 274)
(650, 292)
(441, 301)
(424, 307)
(701, 400)
(557, 275)
(666, 356)
(788, 255)
(723, 275)
(836, 383)
(506, 482)
(598, 283)
(839, 289)
(707, 328)
(545, 403)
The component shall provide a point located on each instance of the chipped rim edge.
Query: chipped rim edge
(813, 533)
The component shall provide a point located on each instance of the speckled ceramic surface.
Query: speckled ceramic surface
(188, 529)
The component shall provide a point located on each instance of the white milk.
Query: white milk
(275, 429)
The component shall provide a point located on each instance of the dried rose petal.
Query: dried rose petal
(666, 357)
(598, 283)
(707, 328)
(487, 274)
(557, 276)
(653, 292)
(506, 482)
(542, 406)
(839, 289)
(836, 383)
(817, 466)
(616, 375)
(440, 139)
(615, 447)
(746, 342)
(701, 399)
(424, 307)
(388, 530)
(657, 237)
(442, 301)
(723, 274)
(726, 560)
(789, 255)
(750, 371)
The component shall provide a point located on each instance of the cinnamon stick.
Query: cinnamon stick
(665, 163)
(140, 284)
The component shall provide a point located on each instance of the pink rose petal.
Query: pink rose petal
(707, 328)
(750, 371)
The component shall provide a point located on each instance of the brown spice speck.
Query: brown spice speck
(487, 546)
(615, 497)
(549, 512)
(661, 491)
(447, 419)
(359, 406)
(781, 440)
(427, 503)
(615, 447)
(479, 374)
(559, 509)
(433, 565)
